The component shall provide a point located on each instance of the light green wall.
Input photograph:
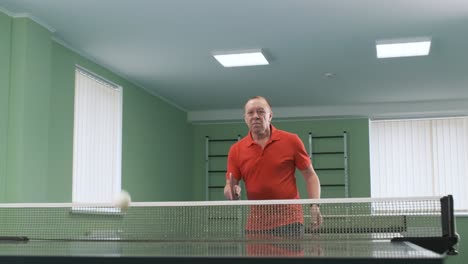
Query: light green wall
(157, 149)
(60, 160)
(358, 149)
(28, 112)
(156, 140)
(5, 40)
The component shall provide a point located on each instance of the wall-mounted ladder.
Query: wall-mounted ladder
(216, 153)
(325, 152)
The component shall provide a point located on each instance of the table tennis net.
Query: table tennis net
(227, 220)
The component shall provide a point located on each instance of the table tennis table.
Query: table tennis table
(87, 252)
(354, 231)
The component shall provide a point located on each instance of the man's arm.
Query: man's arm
(312, 182)
(313, 191)
(232, 189)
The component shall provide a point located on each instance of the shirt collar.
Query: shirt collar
(274, 136)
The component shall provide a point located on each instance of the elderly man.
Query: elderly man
(266, 160)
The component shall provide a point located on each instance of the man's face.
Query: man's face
(257, 115)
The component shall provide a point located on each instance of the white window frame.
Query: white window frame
(97, 126)
(420, 157)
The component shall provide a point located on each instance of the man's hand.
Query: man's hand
(315, 216)
(232, 190)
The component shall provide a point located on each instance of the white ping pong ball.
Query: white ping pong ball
(123, 200)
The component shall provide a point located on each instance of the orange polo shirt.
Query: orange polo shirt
(268, 174)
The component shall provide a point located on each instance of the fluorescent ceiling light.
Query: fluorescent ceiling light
(241, 58)
(403, 47)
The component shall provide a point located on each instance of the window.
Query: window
(420, 157)
(96, 139)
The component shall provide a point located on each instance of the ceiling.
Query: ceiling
(166, 46)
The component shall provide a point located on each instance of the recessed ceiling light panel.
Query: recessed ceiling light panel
(403, 47)
(241, 58)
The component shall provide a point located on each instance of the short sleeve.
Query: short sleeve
(233, 163)
(301, 157)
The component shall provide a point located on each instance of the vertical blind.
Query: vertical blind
(96, 139)
(421, 157)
